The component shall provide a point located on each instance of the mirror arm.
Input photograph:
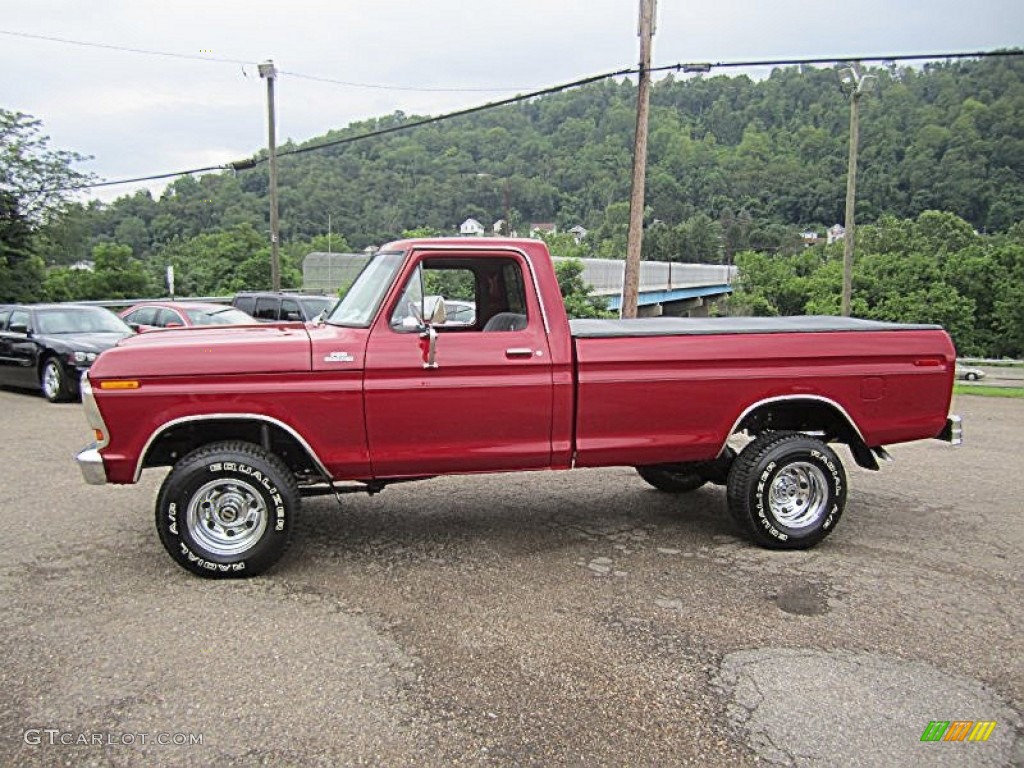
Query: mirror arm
(428, 343)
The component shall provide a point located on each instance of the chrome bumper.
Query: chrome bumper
(91, 464)
(953, 432)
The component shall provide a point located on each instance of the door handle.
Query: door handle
(519, 352)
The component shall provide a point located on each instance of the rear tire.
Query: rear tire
(787, 490)
(227, 510)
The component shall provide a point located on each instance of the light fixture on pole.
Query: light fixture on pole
(855, 84)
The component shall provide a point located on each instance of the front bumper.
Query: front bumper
(91, 464)
(953, 432)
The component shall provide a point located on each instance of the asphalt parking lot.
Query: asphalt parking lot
(530, 619)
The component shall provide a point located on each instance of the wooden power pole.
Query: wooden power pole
(268, 71)
(631, 277)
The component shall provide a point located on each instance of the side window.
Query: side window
(514, 287)
(246, 303)
(290, 310)
(266, 308)
(19, 317)
(4, 314)
(141, 316)
(166, 317)
(479, 295)
(407, 314)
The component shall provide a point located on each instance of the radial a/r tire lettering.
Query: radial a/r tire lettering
(227, 510)
(787, 490)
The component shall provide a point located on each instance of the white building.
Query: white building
(471, 228)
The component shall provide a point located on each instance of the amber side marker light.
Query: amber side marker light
(119, 384)
(98, 434)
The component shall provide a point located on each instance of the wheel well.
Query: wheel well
(178, 440)
(812, 416)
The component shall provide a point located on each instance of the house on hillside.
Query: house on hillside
(809, 237)
(579, 233)
(542, 227)
(471, 228)
(836, 233)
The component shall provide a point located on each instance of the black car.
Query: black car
(50, 345)
(281, 306)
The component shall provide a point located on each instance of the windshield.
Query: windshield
(80, 320)
(316, 304)
(364, 298)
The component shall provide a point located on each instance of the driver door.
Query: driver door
(486, 402)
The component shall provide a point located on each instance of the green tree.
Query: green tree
(576, 293)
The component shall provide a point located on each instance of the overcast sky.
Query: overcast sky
(137, 114)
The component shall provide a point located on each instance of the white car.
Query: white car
(969, 373)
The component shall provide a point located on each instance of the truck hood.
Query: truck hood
(218, 350)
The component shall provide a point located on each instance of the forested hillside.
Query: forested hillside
(733, 164)
(737, 169)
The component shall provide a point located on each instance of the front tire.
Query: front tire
(787, 490)
(55, 383)
(227, 510)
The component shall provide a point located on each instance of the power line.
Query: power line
(458, 113)
(243, 62)
(252, 162)
(705, 66)
(680, 67)
(350, 84)
(124, 48)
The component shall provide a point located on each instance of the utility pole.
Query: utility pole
(631, 277)
(268, 71)
(857, 85)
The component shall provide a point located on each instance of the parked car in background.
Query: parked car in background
(50, 346)
(154, 315)
(281, 306)
(969, 373)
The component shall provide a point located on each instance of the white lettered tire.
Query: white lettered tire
(227, 510)
(787, 490)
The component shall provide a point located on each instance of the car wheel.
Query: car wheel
(55, 383)
(787, 490)
(971, 376)
(227, 510)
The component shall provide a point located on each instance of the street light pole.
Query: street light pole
(268, 72)
(631, 275)
(858, 85)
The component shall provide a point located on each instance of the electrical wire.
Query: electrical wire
(699, 67)
(243, 62)
(252, 162)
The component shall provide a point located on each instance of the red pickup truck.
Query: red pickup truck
(382, 390)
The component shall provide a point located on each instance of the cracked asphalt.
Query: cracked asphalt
(530, 619)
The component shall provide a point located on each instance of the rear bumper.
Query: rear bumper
(91, 464)
(953, 432)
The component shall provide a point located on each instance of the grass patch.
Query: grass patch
(984, 391)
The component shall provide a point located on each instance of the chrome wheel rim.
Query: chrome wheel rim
(226, 517)
(51, 380)
(798, 495)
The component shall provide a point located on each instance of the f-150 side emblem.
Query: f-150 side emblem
(339, 357)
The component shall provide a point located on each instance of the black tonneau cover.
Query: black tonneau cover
(696, 326)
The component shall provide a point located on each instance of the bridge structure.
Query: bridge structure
(666, 287)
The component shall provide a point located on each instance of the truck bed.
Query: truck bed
(704, 326)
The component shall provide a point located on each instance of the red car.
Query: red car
(153, 315)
